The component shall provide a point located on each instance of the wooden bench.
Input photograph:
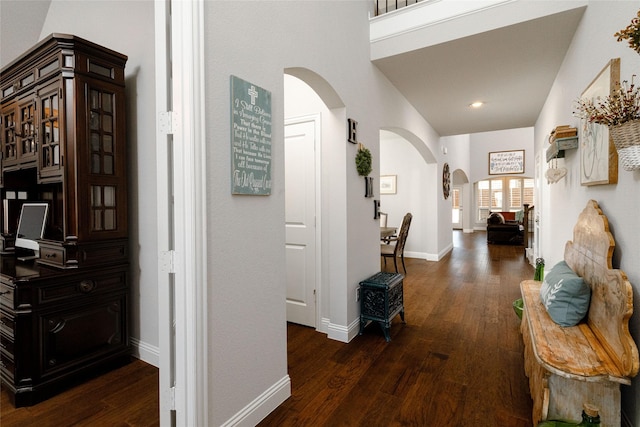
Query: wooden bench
(586, 363)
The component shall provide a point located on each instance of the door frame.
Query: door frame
(181, 192)
(317, 152)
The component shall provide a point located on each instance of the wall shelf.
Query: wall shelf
(558, 146)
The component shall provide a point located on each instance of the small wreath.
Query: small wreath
(363, 161)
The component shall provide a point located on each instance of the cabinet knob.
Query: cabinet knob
(87, 286)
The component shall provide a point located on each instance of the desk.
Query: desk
(59, 326)
(387, 232)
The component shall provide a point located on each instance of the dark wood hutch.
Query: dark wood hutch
(63, 316)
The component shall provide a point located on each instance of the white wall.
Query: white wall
(13, 15)
(593, 46)
(481, 144)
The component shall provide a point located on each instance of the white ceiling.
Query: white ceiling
(510, 69)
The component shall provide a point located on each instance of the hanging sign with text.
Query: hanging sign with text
(505, 162)
(250, 138)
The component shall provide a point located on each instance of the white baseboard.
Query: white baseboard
(343, 333)
(445, 251)
(251, 414)
(324, 325)
(145, 352)
(428, 256)
(262, 406)
(420, 255)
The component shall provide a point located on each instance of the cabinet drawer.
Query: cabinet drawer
(89, 285)
(7, 366)
(6, 295)
(7, 324)
(52, 255)
(7, 346)
(80, 334)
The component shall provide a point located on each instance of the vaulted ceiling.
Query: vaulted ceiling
(511, 69)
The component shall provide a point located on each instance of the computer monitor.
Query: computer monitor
(33, 219)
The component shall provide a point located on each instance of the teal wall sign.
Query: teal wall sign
(250, 138)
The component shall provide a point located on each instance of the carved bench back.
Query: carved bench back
(589, 256)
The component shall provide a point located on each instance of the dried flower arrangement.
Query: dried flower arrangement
(631, 33)
(621, 106)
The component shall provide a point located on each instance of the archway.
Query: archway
(460, 197)
(308, 96)
(414, 168)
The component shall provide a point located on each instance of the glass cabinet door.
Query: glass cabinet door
(9, 141)
(50, 114)
(27, 140)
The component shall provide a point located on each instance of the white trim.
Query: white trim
(425, 14)
(190, 195)
(324, 325)
(429, 256)
(184, 337)
(262, 406)
(343, 333)
(146, 352)
(163, 176)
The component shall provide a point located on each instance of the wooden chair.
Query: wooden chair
(397, 250)
(383, 223)
(383, 219)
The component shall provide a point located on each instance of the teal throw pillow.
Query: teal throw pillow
(565, 295)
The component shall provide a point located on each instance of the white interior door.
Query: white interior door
(300, 218)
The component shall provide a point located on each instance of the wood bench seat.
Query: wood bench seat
(587, 363)
(572, 352)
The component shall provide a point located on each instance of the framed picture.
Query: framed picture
(506, 162)
(388, 184)
(598, 155)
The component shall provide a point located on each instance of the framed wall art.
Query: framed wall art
(388, 184)
(598, 155)
(250, 138)
(506, 162)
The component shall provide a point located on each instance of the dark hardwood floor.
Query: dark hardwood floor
(127, 396)
(456, 362)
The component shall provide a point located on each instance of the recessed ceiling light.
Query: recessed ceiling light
(476, 104)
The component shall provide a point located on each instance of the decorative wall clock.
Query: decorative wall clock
(446, 181)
